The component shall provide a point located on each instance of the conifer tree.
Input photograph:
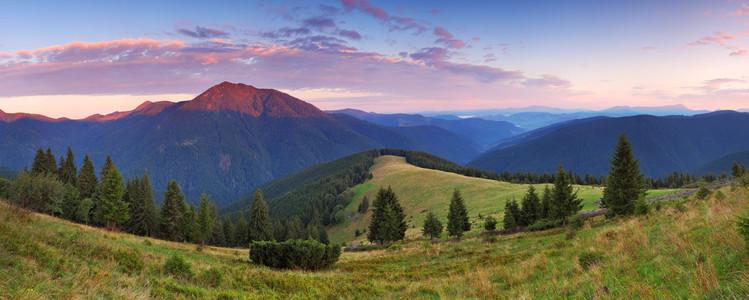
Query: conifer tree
(83, 213)
(511, 211)
(50, 163)
(205, 219)
(68, 170)
(171, 211)
(87, 181)
(490, 223)
(316, 222)
(295, 229)
(241, 231)
(457, 216)
(545, 211)
(737, 170)
(261, 228)
(530, 211)
(625, 183)
(364, 205)
(145, 218)
(111, 210)
(186, 226)
(432, 226)
(105, 168)
(71, 199)
(279, 231)
(39, 164)
(218, 238)
(564, 202)
(388, 219)
(229, 232)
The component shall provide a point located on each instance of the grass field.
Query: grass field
(420, 190)
(687, 249)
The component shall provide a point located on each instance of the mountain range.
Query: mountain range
(225, 142)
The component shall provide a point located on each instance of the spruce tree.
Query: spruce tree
(205, 220)
(295, 229)
(261, 228)
(106, 167)
(39, 164)
(388, 219)
(68, 170)
(230, 240)
(279, 231)
(511, 211)
(87, 181)
(145, 219)
(432, 226)
(111, 210)
(364, 205)
(50, 163)
(218, 238)
(530, 212)
(71, 199)
(241, 231)
(737, 170)
(564, 202)
(186, 226)
(83, 213)
(457, 216)
(171, 211)
(625, 183)
(545, 211)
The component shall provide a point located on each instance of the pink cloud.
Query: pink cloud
(203, 33)
(395, 22)
(548, 81)
(743, 10)
(447, 39)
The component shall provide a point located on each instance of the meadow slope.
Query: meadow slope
(420, 190)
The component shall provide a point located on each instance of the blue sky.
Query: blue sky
(82, 57)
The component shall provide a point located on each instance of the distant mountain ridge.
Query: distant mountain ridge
(663, 144)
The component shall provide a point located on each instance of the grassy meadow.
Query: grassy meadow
(420, 190)
(687, 249)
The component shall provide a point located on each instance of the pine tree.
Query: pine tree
(50, 163)
(145, 218)
(625, 183)
(111, 210)
(530, 212)
(316, 222)
(279, 231)
(71, 199)
(457, 216)
(545, 211)
(218, 238)
(388, 219)
(171, 211)
(186, 226)
(261, 228)
(68, 170)
(364, 205)
(490, 223)
(295, 229)
(564, 202)
(205, 220)
(241, 231)
(737, 170)
(229, 232)
(106, 167)
(511, 210)
(87, 181)
(432, 226)
(39, 164)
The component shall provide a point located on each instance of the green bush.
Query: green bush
(178, 267)
(642, 207)
(719, 195)
(294, 254)
(744, 181)
(703, 192)
(490, 223)
(213, 277)
(589, 258)
(576, 222)
(742, 227)
(658, 205)
(130, 261)
(544, 224)
(395, 247)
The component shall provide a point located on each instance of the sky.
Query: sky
(76, 58)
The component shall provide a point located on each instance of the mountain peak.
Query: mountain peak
(249, 100)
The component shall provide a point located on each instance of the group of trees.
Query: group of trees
(556, 205)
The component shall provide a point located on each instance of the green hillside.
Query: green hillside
(421, 190)
(687, 249)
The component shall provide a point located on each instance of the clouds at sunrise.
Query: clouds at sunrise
(381, 56)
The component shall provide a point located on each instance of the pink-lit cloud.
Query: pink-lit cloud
(394, 22)
(721, 38)
(715, 84)
(741, 11)
(447, 39)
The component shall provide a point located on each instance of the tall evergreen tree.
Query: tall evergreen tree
(50, 163)
(457, 216)
(295, 229)
(279, 231)
(242, 231)
(564, 202)
(71, 199)
(145, 218)
(511, 211)
(83, 213)
(737, 170)
(218, 238)
(68, 170)
(87, 181)
(261, 228)
(625, 183)
(545, 211)
(432, 226)
(111, 210)
(531, 210)
(171, 211)
(39, 164)
(229, 232)
(364, 205)
(186, 226)
(388, 219)
(316, 222)
(205, 219)
(108, 164)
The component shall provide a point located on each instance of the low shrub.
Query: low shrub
(490, 223)
(642, 207)
(719, 195)
(294, 254)
(576, 222)
(544, 224)
(742, 228)
(213, 277)
(703, 192)
(395, 247)
(589, 258)
(178, 267)
(130, 261)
